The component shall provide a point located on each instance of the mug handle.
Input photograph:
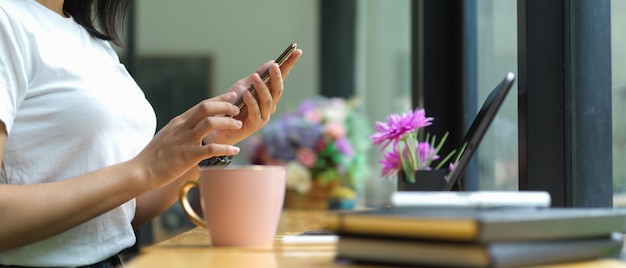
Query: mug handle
(184, 202)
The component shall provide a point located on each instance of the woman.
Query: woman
(81, 166)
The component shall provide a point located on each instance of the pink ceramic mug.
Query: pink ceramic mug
(241, 205)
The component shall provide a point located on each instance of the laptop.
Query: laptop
(477, 130)
(472, 139)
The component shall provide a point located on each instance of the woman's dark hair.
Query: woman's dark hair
(108, 15)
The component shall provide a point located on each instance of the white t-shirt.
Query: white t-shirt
(70, 108)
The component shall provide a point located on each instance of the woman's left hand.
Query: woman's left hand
(257, 111)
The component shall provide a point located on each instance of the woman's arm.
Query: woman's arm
(153, 203)
(37, 211)
(34, 212)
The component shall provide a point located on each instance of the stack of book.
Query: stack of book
(477, 237)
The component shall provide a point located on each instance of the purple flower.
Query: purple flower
(307, 106)
(391, 163)
(320, 134)
(451, 167)
(398, 126)
(283, 138)
(401, 136)
(426, 154)
(343, 146)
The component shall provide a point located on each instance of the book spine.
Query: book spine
(452, 229)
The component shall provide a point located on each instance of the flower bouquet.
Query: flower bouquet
(407, 151)
(322, 144)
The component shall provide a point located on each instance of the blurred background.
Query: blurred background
(184, 51)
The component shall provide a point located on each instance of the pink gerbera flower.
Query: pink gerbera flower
(391, 163)
(408, 153)
(398, 126)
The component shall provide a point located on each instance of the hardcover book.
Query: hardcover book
(479, 224)
(459, 254)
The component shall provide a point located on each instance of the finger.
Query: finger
(285, 67)
(264, 97)
(264, 67)
(252, 107)
(208, 108)
(212, 123)
(229, 97)
(276, 85)
(216, 149)
(288, 65)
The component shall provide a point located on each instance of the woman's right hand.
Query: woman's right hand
(178, 146)
(173, 152)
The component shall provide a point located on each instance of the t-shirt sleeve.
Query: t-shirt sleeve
(13, 81)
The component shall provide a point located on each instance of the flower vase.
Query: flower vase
(341, 203)
(316, 198)
(342, 198)
(425, 180)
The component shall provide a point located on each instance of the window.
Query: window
(497, 54)
(618, 92)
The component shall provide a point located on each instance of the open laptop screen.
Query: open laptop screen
(479, 126)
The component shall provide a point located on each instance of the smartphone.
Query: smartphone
(266, 74)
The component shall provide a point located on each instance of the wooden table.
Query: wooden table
(193, 249)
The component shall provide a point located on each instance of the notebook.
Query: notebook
(477, 237)
(482, 225)
(501, 254)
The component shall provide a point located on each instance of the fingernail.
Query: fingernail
(231, 95)
(239, 123)
(236, 149)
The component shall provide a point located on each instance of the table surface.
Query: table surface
(193, 249)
